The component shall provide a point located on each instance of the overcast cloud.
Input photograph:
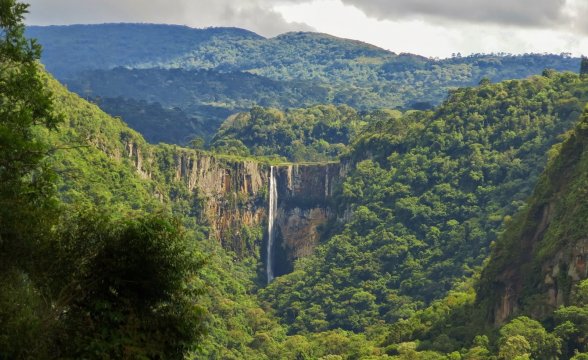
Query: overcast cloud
(427, 27)
(255, 15)
(508, 12)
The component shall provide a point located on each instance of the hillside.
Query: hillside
(425, 196)
(394, 142)
(195, 97)
(542, 256)
(244, 69)
(531, 299)
(111, 45)
(102, 163)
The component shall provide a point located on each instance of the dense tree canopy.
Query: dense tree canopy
(429, 192)
(319, 133)
(25, 104)
(204, 75)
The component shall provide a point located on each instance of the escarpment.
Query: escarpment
(305, 204)
(233, 197)
(228, 194)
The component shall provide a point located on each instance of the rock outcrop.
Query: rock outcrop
(232, 196)
(304, 206)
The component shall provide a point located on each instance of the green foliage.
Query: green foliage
(125, 289)
(572, 321)
(26, 194)
(524, 336)
(104, 162)
(515, 347)
(172, 105)
(200, 76)
(157, 123)
(584, 67)
(27, 206)
(319, 133)
(428, 193)
(77, 287)
(553, 221)
(123, 44)
(21, 314)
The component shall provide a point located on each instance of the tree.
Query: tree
(78, 286)
(26, 205)
(127, 288)
(573, 320)
(484, 81)
(537, 341)
(515, 347)
(197, 143)
(584, 67)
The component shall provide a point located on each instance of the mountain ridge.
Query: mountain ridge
(307, 69)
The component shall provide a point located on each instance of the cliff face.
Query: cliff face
(233, 197)
(544, 252)
(304, 206)
(228, 194)
(558, 274)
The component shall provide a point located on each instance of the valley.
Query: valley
(180, 193)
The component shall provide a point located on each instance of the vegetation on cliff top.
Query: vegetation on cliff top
(319, 133)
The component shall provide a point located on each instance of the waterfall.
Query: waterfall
(327, 192)
(271, 219)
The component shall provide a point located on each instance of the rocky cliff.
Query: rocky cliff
(227, 193)
(304, 206)
(232, 195)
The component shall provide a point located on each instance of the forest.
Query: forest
(451, 231)
(215, 72)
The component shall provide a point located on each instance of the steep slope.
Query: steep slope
(99, 160)
(531, 299)
(106, 163)
(543, 254)
(387, 260)
(103, 162)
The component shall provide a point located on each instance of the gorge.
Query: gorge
(241, 198)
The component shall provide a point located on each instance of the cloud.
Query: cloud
(255, 15)
(578, 11)
(45, 12)
(524, 13)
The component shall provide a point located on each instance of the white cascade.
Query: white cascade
(273, 207)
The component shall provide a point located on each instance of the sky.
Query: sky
(433, 28)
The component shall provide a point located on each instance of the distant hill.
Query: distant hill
(68, 50)
(297, 69)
